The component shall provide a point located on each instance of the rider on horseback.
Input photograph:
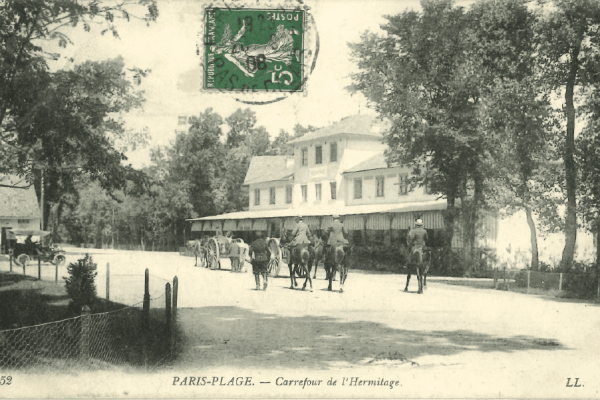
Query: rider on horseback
(300, 235)
(337, 233)
(416, 239)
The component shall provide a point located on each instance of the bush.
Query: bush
(444, 261)
(80, 284)
(378, 258)
(581, 286)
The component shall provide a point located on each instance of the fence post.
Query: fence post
(528, 280)
(175, 292)
(39, 268)
(168, 308)
(85, 333)
(10, 258)
(495, 277)
(146, 313)
(107, 281)
(56, 272)
(504, 275)
(560, 281)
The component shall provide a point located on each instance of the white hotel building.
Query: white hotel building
(337, 169)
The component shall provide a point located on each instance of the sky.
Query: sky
(168, 48)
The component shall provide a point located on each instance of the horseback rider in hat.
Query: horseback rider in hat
(337, 233)
(417, 238)
(301, 234)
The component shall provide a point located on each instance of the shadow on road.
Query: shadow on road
(237, 337)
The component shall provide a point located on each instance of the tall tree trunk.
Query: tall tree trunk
(535, 263)
(570, 166)
(449, 220)
(534, 246)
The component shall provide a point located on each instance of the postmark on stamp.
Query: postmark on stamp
(255, 50)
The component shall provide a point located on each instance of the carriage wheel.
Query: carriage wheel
(213, 254)
(275, 261)
(23, 260)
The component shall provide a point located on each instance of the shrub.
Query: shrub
(581, 286)
(378, 258)
(80, 284)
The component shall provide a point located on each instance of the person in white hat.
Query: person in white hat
(417, 237)
(337, 232)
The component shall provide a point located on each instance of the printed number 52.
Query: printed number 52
(5, 380)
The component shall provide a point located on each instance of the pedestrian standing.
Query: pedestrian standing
(234, 255)
(260, 255)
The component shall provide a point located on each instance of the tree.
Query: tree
(196, 157)
(240, 123)
(250, 141)
(418, 76)
(300, 130)
(515, 107)
(568, 56)
(24, 70)
(279, 146)
(588, 161)
(74, 129)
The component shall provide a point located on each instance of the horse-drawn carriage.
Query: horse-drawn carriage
(210, 251)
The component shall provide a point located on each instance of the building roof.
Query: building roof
(362, 125)
(269, 168)
(17, 203)
(432, 205)
(376, 162)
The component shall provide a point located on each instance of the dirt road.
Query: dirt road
(374, 340)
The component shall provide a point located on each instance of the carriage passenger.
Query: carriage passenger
(260, 255)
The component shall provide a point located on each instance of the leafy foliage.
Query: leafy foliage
(80, 284)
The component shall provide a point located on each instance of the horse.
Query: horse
(336, 261)
(419, 260)
(300, 262)
(197, 247)
(319, 246)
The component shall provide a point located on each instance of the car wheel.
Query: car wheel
(59, 259)
(23, 260)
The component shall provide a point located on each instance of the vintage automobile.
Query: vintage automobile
(25, 249)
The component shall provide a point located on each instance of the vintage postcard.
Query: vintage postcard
(299, 199)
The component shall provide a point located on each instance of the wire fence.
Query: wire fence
(136, 331)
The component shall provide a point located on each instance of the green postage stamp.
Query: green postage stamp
(256, 50)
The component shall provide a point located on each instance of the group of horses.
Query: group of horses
(302, 258)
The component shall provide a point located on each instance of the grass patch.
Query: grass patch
(38, 332)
